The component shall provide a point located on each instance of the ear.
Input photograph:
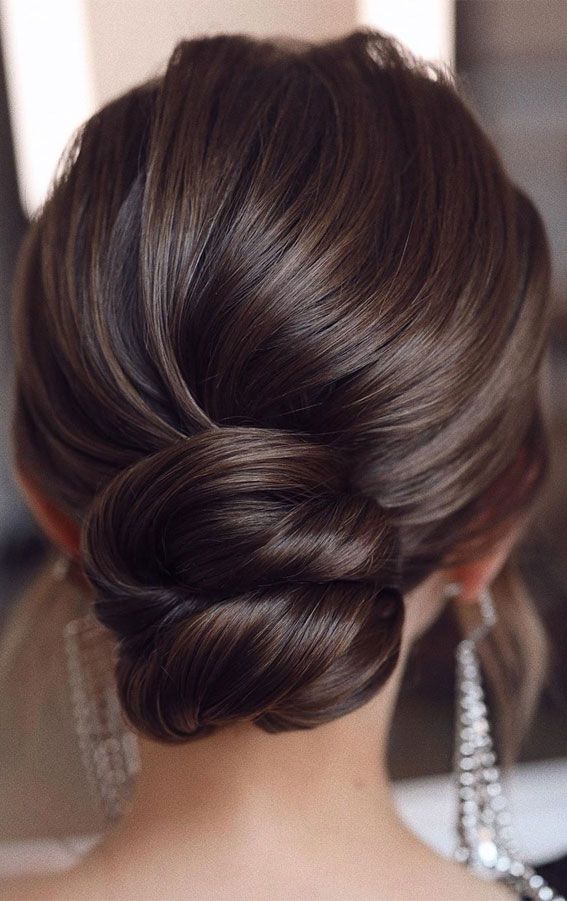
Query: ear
(475, 576)
(54, 523)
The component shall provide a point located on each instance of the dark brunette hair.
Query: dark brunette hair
(278, 330)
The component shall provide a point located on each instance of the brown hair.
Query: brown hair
(278, 330)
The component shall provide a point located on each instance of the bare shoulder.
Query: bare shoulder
(458, 884)
(62, 886)
(25, 888)
(473, 888)
(445, 878)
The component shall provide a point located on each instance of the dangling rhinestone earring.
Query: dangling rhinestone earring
(109, 749)
(485, 841)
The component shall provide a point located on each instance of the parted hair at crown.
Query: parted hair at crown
(278, 329)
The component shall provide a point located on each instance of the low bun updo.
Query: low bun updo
(210, 554)
(278, 332)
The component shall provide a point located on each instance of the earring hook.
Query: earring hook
(486, 606)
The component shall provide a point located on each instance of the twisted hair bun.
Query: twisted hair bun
(243, 580)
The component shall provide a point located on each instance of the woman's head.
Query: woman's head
(278, 330)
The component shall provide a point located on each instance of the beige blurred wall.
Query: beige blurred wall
(66, 58)
(154, 27)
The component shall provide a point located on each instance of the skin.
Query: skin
(244, 814)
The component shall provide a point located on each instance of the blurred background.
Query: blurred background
(61, 60)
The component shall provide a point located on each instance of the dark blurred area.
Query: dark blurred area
(21, 544)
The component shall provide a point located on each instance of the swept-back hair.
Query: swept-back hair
(278, 330)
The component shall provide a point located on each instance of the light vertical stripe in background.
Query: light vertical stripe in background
(49, 84)
(427, 27)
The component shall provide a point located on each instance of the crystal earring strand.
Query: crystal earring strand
(485, 838)
(109, 749)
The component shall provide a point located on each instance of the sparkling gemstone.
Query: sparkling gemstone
(467, 748)
(487, 853)
(517, 868)
(480, 726)
(545, 893)
(493, 788)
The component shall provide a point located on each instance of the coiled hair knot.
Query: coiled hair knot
(243, 579)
